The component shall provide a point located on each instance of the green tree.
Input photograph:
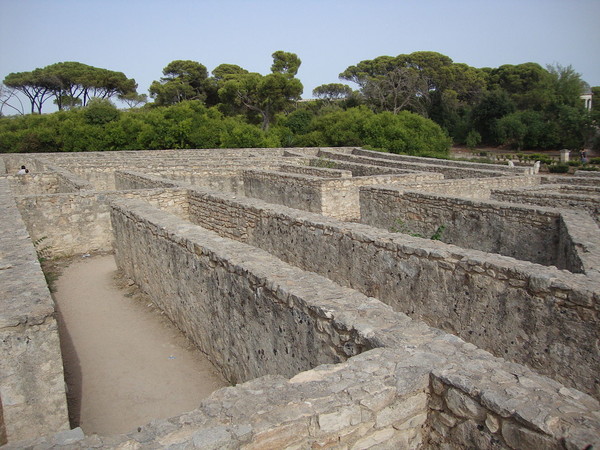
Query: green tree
(493, 106)
(265, 95)
(332, 91)
(285, 63)
(133, 99)
(70, 83)
(182, 80)
(100, 111)
(35, 85)
(567, 84)
(529, 85)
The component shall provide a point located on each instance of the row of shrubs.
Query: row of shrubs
(190, 124)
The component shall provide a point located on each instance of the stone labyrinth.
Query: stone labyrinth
(354, 299)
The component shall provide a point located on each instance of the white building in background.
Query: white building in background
(586, 96)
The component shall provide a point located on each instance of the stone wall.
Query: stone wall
(587, 174)
(32, 388)
(579, 250)
(3, 437)
(333, 197)
(69, 181)
(220, 180)
(315, 171)
(554, 196)
(34, 183)
(526, 233)
(398, 383)
(480, 188)
(201, 280)
(79, 223)
(441, 162)
(486, 299)
(364, 170)
(449, 172)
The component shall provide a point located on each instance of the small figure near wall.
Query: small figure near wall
(23, 170)
(583, 155)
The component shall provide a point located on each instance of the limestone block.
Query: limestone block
(464, 406)
(519, 437)
(336, 421)
(401, 410)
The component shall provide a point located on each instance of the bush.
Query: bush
(558, 168)
(100, 111)
(595, 161)
(473, 139)
(544, 159)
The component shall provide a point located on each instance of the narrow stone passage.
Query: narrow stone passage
(125, 363)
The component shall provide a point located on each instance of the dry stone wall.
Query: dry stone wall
(276, 327)
(526, 233)
(441, 162)
(555, 196)
(486, 299)
(277, 280)
(79, 223)
(449, 172)
(332, 197)
(32, 387)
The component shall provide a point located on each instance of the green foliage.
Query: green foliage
(437, 235)
(523, 106)
(42, 250)
(332, 91)
(473, 139)
(558, 168)
(285, 63)
(70, 83)
(493, 106)
(544, 159)
(182, 80)
(100, 112)
(401, 227)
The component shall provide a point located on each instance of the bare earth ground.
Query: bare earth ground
(125, 363)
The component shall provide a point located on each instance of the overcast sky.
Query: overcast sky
(140, 37)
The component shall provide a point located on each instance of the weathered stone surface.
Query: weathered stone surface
(463, 406)
(517, 436)
(362, 372)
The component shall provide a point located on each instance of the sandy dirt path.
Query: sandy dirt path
(125, 363)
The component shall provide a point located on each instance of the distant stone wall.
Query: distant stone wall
(553, 196)
(362, 170)
(79, 223)
(32, 389)
(449, 172)
(574, 181)
(315, 171)
(220, 180)
(34, 183)
(587, 174)
(133, 180)
(484, 298)
(440, 162)
(479, 188)
(333, 197)
(526, 233)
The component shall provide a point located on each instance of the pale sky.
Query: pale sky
(140, 37)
